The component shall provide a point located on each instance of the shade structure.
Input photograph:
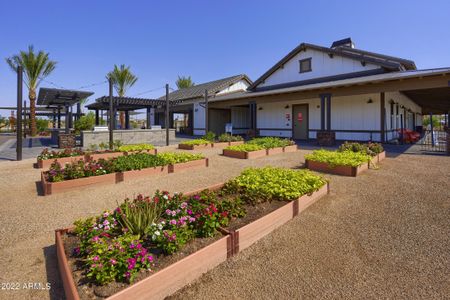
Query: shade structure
(61, 97)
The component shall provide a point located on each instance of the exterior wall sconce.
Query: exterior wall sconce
(287, 106)
(370, 100)
(260, 108)
(391, 101)
(196, 110)
(318, 106)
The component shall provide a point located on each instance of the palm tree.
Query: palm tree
(36, 67)
(184, 82)
(122, 79)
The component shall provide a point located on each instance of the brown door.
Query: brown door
(217, 119)
(300, 121)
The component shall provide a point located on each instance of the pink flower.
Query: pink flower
(95, 239)
(183, 205)
(113, 261)
(95, 258)
(173, 222)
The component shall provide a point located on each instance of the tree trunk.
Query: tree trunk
(122, 120)
(32, 97)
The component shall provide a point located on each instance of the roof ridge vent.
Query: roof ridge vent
(347, 42)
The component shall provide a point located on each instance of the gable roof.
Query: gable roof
(389, 62)
(212, 87)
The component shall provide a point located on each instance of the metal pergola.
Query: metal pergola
(56, 99)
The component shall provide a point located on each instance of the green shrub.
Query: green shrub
(336, 158)
(136, 147)
(86, 122)
(209, 136)
(178, 157)
(245, 147)
(371, 149)
(225, 137)
(270, 183)
(270, 142)
(196, 142)
(137, 161)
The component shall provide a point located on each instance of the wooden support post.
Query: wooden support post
(127, 119)
(206, 112)
(432, 129)
(59, 117)
(167, 115)
(54, 119)
(328, 112)
(19, 113)
(97, 118)
(67, 121)
(382, 117)
(25, 118)
(111, 115)
(322, 112)
(148, 117)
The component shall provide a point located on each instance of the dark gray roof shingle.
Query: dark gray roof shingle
(199, 90)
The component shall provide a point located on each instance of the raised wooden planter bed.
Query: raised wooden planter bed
(249, 234)
(204, 162)
(291, 148)
(64, 186)
(236, 143)
(244, 155)
(129, 175)
(46, 163)
(378, 158)
(105, 155)
(167, 281)
(273, 151)
(226, 144)
(193, 147)
(336, 170)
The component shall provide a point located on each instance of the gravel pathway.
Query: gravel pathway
(383, 234)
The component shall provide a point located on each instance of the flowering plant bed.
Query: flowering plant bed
(167, 242)
(194, 144)
(75, 175)
(46, 158)
(244, 151)
(346, 163)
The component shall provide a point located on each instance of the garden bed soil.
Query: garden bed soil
(291, 148)
(244, 155)
(204, 162)
(193, 147)
(336, 170)
(46, 163)
(168, 274)
(67, 185)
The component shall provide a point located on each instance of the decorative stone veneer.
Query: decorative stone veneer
(66, 140)
(137, 136)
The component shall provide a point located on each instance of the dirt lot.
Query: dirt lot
(385, 234)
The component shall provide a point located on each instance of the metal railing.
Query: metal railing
(434, 140)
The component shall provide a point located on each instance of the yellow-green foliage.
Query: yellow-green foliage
(336, 158)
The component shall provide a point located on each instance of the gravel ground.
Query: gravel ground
(385, 234)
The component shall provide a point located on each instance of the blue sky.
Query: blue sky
(207, 40)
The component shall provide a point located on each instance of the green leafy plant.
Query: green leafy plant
(136, 147)
(137, 161)
(245, 147)
(371, 149)
(270, 142)
(68, 152)
(196, 142)
(336, 158)
(226, 137)
(269, 183)
(86, 122)
(209, 136)
(138, 214)
(178, 157)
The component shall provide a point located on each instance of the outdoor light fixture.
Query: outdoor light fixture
(370, 100)
(318, 106)
(260, 108)
(196, 110)
(391, 101)
(287, 106)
